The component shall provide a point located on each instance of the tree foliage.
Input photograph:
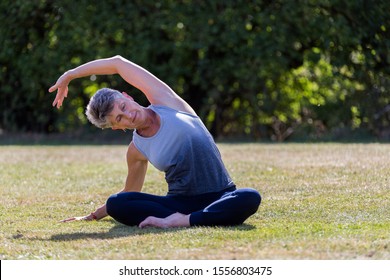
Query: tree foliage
(255, 69)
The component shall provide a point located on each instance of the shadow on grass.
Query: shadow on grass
(120, 230)
(117, 231)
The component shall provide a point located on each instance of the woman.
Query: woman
(169, 135)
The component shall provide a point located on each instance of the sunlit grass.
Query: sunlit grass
(320, 201)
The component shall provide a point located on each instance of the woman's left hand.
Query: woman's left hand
(62, 89)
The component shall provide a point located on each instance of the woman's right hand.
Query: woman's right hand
(89, 217)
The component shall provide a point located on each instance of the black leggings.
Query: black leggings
(228, 207)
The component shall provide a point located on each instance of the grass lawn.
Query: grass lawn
(320, 201)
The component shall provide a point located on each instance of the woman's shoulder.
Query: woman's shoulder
(164, 108)
(174, 101)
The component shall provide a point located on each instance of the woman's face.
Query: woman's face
(126, 114)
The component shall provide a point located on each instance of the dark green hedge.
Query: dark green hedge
(253, 69)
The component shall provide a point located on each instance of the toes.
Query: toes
(150, 222)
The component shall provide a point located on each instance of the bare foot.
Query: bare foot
(174, 220)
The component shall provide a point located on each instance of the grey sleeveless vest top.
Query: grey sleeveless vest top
(185, 150)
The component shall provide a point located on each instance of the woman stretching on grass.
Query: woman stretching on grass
(169, 135)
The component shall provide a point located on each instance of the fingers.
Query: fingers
(84, 218)
(73, 219)
(61, 86)
(68, 220)
(53, 88)
(61, 94)
(54, 102)
(58, 101)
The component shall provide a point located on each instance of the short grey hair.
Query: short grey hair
(100, 105)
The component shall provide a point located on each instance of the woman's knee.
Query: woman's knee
(112, 204)
(251, 199)
(118, 206)
(117, 202)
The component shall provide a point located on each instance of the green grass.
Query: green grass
(320, 201)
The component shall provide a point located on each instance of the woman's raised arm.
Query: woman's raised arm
(155, 90)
